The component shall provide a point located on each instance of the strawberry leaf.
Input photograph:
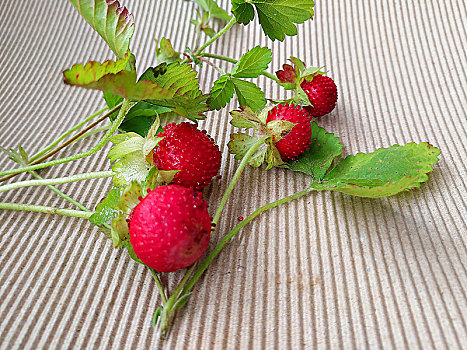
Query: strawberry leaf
(221, 93)
(249, 94)
(277, 17)
(385, 172)
(252, 63)
(113, 22)
(318, 158)
(213, 9)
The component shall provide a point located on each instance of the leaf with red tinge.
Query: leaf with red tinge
(288, 74)
(113, 22)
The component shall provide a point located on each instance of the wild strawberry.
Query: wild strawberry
(170, 228)
(189, 150)
(298, 139)
(322, 93)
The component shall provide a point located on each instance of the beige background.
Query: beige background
(326, 271)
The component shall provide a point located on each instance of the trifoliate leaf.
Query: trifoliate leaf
(318, 158)
(107, 209)
(186, 97)
(165, 52)
(245, 118)
(277, 17)
(113, 22)
(249, 94)
(252, 63)
(385, 172)
(214, 10)
(221, 92)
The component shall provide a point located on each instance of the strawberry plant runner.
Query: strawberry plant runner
(280, 133)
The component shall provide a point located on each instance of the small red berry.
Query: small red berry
(189, 150)
(170, 228)
(240, 218)
(298, 139)
(322, 93)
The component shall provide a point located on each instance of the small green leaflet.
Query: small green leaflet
(249, 94)
(252, 63)
(165, 52)
(221, 92)
(277, 17)
(174, 86)
(385, 172)
(318, 158)
(113, 22)
(213, 9)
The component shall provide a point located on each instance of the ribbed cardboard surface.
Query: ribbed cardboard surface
(325, 271)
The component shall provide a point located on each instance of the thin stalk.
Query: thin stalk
(61, 137)
(236, 229)
(92, 132)
(235, 178)
(217, 36)
(46, 210)
(60, 193)
(231, 60)
(166, 315)
(57, 181)
(159, 285)
(126, 105)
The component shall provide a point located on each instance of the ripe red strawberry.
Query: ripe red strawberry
(299, 138)
(170, 228)
(189, 150)
(322, 93)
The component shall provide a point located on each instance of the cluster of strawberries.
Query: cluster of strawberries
(170, 228)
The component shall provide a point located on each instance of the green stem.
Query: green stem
(159, 285)
(46, 210)
(167, 313)
(236, 229)
(235, 178)
(231, 60)
(57, 181)
(92, 132)
(60, 193)
(60, 138)
(217, 36)
(126, 105)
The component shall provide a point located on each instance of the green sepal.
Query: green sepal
(107, 209)
(165, 52)
(245, 118)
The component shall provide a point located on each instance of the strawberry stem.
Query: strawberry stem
(63, 136)
(237, 174)
(159, 285)
(126, 105)
(217, 36)
(46, 210)
(231, 60)
(57, 181)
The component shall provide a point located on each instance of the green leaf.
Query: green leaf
(249, 94)
(253, 63)
(174, 86)
(213, 9)
(112, 21)
(277, 17)
(319, 156)
(385, 172)
(107, 209)
(181, 80)
(221, 92)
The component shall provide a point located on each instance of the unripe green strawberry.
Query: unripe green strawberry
(322, 93)
(298, 139)
(189, 150)
(170, 228)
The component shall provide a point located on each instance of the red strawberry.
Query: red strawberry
(189, 150)
(170, 228)
(322, 93)
(298, 139)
